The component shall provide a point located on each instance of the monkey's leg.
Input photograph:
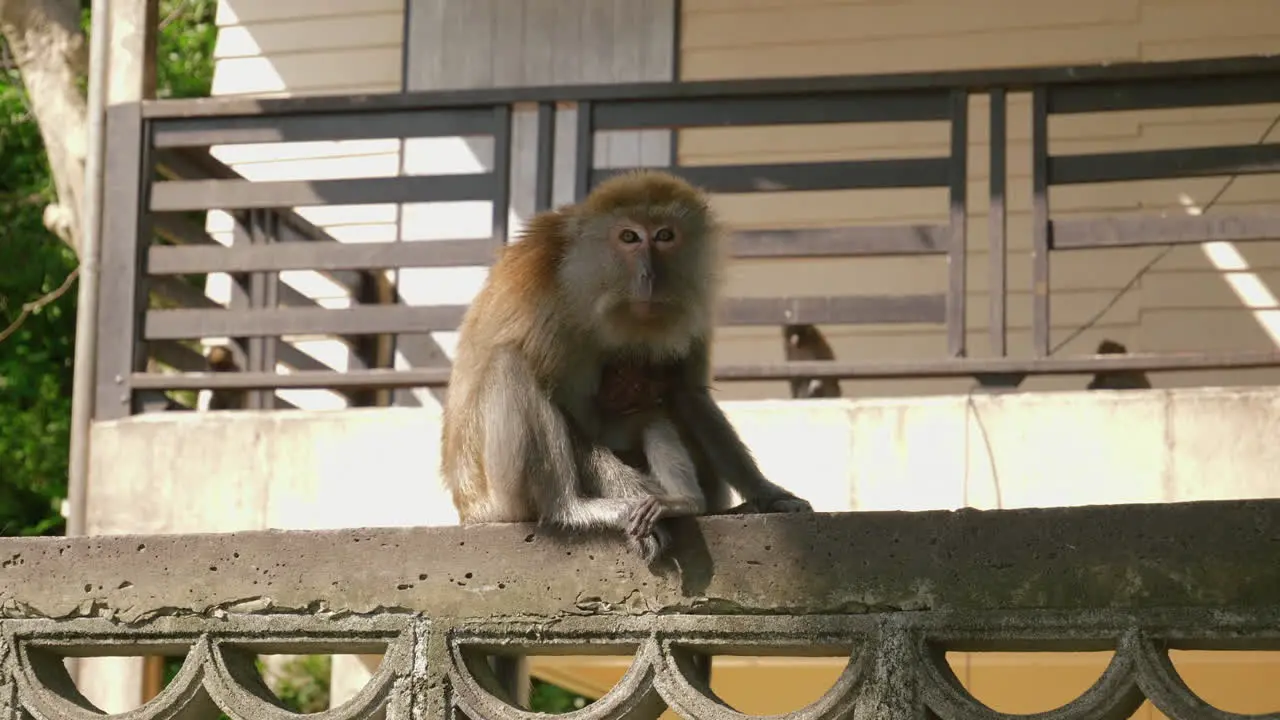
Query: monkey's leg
(673, 470)
(605, 474)
(728, 457)
(529, 453)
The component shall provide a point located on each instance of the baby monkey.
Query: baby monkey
(579, 395)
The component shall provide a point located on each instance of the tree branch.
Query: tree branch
(52, 55)
(38, 303)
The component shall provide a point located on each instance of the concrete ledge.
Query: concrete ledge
(1213, 554)
(295, 470)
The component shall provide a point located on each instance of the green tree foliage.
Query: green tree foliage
(36, 360)
(548, 698)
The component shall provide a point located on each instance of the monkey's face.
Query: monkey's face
(647, 251)
(643, 270)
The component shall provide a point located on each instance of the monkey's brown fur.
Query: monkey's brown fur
(537, 413)
(221, 359)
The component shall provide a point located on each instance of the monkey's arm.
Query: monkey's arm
(529, 452)
(728, 457)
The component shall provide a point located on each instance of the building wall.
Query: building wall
(1216, 297)
(1211, 297)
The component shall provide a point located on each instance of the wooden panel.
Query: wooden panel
(857, 21)
(237, 12)
(304, 34)
(296, 72)
(1037, 46)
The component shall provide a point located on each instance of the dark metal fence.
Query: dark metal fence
(160, 171)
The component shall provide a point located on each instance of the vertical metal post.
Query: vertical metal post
(125, 231)
(544, 174)
(1040, 221)
(957, 250)
(586, 156)
(264, 292)
(998, 274)
(501, 173)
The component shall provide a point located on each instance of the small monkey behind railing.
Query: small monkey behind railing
(806, 342)
(1118, 379)
(221, 359)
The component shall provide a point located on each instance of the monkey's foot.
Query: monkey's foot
(768, 505)
(652, 546)
(786, 505)
(643, 518)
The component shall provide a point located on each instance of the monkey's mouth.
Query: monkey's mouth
(648, 311)
(643, 309)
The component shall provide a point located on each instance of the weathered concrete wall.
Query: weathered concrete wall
(220, 472)
(1137, 556)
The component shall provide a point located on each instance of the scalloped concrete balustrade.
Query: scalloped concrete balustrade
(890, 592)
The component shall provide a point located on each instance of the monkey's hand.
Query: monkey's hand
(644, 517)
(785, 504)
(644, 535)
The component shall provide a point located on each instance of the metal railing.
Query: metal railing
(160, 168)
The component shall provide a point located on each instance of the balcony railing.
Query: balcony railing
(160, 170)
(890, 593)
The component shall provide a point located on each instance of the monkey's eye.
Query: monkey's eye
(664, 235)
(629, 237)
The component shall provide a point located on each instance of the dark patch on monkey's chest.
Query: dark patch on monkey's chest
(629, 385)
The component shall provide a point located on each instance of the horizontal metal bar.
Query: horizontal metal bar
(203, 132)
(190, 164)
(287, 353)
(246, 194)
(774, 110)
(1163, 94)
(1164, 164)
(840, 310)
(841, 242)
(292, 356)
(369, 320)
(267, 322)
(308, 380)
(1010, 78)
(189, 296)
(823, 242)
(178, 356)
(963, 367)
(795, 177)
(296, 229)
(1158, 230)
(181, 292)
(179, 230)
(162, 260)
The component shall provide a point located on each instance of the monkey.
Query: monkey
(1118, 379)
(580, 392)
(220, 359)
(806, 342)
